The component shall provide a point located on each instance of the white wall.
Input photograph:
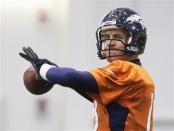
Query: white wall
(68, 38)
(0, 66)
(21, 27)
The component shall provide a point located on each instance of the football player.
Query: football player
(122, 91)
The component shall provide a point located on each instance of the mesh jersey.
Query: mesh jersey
(125, 98)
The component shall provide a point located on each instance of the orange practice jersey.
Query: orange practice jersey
(125, 98)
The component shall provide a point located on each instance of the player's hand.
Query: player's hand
(33, 58)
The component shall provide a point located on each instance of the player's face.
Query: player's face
(113, 41)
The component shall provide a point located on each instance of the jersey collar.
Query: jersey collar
(136, 61)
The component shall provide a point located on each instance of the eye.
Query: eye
(120, 38)
(104, 37)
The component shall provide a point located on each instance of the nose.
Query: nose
(111, 43)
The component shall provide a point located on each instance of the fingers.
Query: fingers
(30, 53)
(30, 56)
(33, 53)
(24, 56)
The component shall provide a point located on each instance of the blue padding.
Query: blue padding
(117, 116)
(71, 78)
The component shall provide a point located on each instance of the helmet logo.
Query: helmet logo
(137, 19)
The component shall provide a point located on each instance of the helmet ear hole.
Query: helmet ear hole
(129, 39)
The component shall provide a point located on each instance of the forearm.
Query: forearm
(81, 80)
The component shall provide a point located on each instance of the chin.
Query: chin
(110, 59)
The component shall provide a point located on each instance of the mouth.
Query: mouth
(112, 53)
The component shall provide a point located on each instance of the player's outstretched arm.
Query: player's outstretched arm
(81, 81)
(69, 77)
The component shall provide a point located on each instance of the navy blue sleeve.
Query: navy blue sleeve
(78, 80)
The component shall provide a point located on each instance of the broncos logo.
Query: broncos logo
(135, 18)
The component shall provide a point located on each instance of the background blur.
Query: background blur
(64, 32)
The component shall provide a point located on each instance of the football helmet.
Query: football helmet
(129, 20)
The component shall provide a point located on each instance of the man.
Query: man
(122, 91)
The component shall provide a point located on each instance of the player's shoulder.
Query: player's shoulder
(118, 68)
(130, 69)
(126, 69)
(123, 66)
(123, 69)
